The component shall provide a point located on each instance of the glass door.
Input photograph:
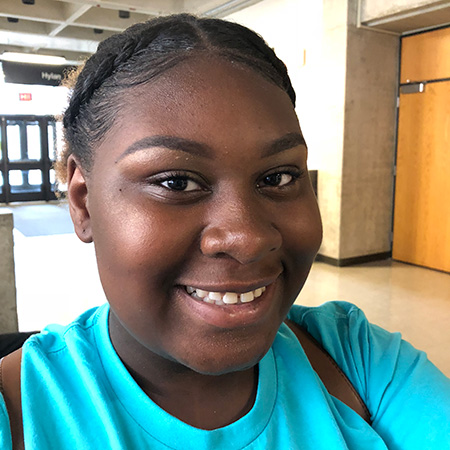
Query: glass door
(28, 150)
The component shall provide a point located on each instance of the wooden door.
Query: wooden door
(422, 199)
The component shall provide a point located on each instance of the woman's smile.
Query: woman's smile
(225, 298)
(230, 309)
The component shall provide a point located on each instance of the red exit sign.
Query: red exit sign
(25, 97)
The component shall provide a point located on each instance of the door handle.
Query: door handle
(412, 88)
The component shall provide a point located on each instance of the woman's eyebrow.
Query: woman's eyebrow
(169, 142)
(283, 143)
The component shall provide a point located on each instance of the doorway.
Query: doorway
(422, 199)
(28, 150)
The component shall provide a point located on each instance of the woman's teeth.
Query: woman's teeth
(225, 298)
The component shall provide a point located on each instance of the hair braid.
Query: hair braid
(145, 51)
(97, 69)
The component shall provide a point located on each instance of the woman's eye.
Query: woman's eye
(180, 184)
(278, 179)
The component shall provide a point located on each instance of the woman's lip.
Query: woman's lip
(235, 315)
(237, 287)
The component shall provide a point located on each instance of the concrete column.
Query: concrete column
(369, 140)
(355, 185)
(8, 307)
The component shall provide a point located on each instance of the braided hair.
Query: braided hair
(141, 53)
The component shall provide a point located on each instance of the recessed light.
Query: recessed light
(33, 58)
(124, 14)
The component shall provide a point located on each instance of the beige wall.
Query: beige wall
(331, 81)
(8, 310)
(293, 29)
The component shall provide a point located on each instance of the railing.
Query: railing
(28, 148)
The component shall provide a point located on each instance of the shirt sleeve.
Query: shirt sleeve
(408, 397)
(5, 431)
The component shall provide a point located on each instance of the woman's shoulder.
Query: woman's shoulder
(398, 383)
(340, 324)
(332, 311)
(344, 332)
(57, 339)
(365, 352)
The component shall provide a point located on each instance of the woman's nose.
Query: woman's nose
(240, 232)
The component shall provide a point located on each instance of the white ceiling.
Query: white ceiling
(66, 27)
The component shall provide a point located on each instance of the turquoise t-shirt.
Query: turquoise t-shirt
(77, 394)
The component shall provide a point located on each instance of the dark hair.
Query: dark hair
(145, 51)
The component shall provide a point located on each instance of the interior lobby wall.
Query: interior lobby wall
(331, 74)
(293, 29)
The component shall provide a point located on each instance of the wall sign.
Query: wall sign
(25, 97)
(34, 73)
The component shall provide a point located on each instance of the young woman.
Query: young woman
(186, 166)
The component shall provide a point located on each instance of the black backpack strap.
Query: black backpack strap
(9, 342)
(10, 388)
(335, 381)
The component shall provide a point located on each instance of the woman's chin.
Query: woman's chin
(226, 362)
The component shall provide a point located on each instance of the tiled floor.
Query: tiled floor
(57, 279)
(396, 296)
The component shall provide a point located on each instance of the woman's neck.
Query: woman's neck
(203, 401)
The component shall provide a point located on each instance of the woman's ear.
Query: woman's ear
(77, 193)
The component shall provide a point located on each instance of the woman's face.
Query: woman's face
(199, 199)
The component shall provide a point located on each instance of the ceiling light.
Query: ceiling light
(229, 7)
(33, 58)
(98, 31)
(124, 14)
(12, 19)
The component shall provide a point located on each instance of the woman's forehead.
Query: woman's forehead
(218, 104)
(215, 87)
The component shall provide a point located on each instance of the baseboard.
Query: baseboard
(353, 261)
